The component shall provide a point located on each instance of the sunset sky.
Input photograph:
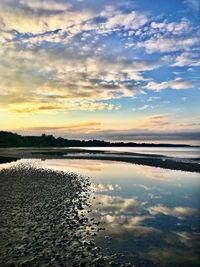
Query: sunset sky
(109, 69)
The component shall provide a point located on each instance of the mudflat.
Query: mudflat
(153, 160)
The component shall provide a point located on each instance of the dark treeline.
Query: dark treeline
(8, 139)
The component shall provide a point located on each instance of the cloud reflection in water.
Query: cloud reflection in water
(150, 214)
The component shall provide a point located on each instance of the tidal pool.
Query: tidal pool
(149, 216)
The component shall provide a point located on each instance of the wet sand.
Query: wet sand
(153, 160)
(44, 220)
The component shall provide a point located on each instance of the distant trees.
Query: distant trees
(8, 139)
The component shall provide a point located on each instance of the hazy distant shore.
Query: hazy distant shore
(153, 160)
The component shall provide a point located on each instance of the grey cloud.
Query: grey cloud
(154, 136)
(141, 136)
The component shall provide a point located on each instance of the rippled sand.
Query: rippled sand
(44, 220)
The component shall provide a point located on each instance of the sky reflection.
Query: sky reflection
(151, 215)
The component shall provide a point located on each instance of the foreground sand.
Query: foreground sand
(44, 220)
(153, 160)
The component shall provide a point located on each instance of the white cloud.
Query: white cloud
(129, 21)
(144, 107)
(176, 212)
(168, 37)
(172, 28)
(113, 204)
(121, 215)
(104, 187)
(187, 59)
(176, 84)
(171, 44)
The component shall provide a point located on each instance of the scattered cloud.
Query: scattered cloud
(144, 107)
(187, 59)
(121, 214)
(128, 21)
(171, 27)
(64, 56)
(176, 84)
(37, 107)
(56, 81)
(40, 16)
(179, 212)
(112, 204)
(104, 187)
(165, 37)
(168, 44)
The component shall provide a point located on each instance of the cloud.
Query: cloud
(158, 127)
(169, 37)
(187, 59)
(157, 120)
(38, 16)
(144, 135)
(127, 222)
(176, 84)
(73, 127)
(121, 215)
(144, 107)
(179, 212)
(168, 44)
(193, 4)
(37, 107)
(112, 204)
(37, 79)
(127, 21)
(190, 239)
(63, 56)
(45, 5)
(104, 187)
(172, 27)
(66, 69)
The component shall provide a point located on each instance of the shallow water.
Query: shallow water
(182, 152)
(151, 215)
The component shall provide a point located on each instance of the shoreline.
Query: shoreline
(153, 160)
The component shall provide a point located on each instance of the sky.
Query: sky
(118, 70)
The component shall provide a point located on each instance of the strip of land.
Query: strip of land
(153, 160)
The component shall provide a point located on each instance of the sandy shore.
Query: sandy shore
(44, 220)
(153, 160)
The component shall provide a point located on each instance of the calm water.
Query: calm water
(182, 152)
(151, 215)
